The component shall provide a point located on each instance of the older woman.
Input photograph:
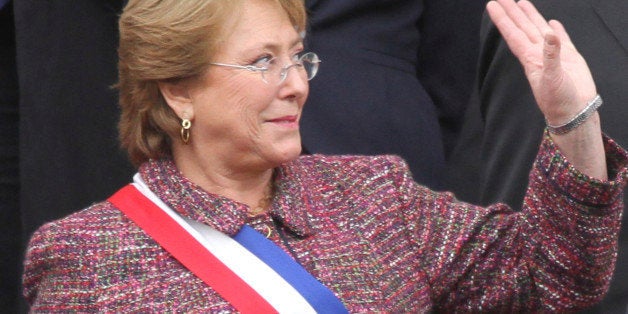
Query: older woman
(224, 215)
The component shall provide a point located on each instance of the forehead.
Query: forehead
(259, 23)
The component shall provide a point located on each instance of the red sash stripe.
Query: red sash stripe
(188, 251)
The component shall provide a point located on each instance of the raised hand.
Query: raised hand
(560, 79)
(559, 76)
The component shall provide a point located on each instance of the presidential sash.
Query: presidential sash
(249, 271)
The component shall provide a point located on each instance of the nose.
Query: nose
(285, 71)
(296, 84)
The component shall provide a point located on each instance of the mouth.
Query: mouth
(286, 121)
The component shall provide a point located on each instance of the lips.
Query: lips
(285, 119)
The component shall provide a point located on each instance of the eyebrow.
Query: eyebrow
(273, 46)
(297, 41)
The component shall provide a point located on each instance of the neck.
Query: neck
(250, 187)
(263, 204)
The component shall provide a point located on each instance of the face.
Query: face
(237, 117)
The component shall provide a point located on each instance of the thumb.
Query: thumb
(551, 57)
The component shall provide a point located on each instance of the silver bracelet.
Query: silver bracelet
(577, 119)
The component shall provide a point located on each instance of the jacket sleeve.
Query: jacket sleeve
(557, 254)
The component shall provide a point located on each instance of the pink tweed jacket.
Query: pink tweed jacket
(364, 228)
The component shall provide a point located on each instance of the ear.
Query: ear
(177, 96)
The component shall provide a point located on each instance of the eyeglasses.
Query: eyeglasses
(272, 73)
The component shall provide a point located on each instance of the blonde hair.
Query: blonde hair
(168, 40)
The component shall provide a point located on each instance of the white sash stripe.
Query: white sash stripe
(257, 274)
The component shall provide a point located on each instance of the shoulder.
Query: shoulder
(86, 236)
(350, 164)
(75, 235)
(351, 169)
(344, 179)
(84, 222)
(366, 192)
(69, 250)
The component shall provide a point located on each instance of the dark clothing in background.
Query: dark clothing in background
(68, 150)
(10, 227)
(66, 62)
(447, 60)
(503, 126)
(368, 99)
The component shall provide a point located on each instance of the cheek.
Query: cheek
(234, 105)
(247, 105)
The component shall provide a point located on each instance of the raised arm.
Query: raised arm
(560, 79)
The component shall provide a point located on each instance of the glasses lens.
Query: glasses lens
(310, 63)
(306, 66)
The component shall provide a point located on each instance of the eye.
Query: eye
(298, 53)
(263, 62)
(296, 57)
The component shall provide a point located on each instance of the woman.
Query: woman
(211, 95)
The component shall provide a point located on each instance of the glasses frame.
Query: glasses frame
(283, 74)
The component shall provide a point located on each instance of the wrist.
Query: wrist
(578, 119)
(584, 148)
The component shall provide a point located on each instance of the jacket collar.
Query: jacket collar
(290, 204)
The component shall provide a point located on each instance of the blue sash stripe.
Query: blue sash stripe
(319, 296)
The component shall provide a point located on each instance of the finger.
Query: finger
(552, 76)
(515, 38)
(535, 17)
(519, 17)
(552, 71)
(561, 32)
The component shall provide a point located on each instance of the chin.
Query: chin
(288, 146)
(292, 154)
(289, 152)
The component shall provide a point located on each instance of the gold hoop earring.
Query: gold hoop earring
(185, 130)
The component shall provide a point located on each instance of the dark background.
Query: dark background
(58, 140)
